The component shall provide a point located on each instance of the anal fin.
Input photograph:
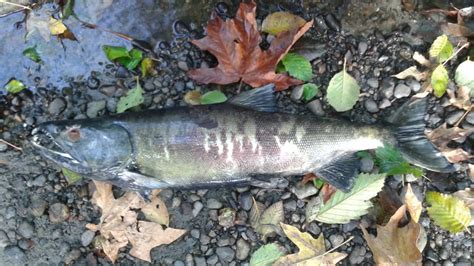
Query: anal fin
(340, 172)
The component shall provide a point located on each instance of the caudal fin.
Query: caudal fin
(411, 139)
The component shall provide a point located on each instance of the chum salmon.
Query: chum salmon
(240, 142)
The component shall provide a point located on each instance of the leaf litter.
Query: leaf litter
(119, 224)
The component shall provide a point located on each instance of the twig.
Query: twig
(456, 53)
(463, 116)
(15, 4)
(336, 247)
(11, 145)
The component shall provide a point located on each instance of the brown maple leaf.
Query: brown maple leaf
(443, 135)
(327, 191)
(235, 44)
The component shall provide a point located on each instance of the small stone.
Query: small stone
(58, 213)
(373, 83)
(357, 255)
(349, 226)
(178, 263)
(197, 207)
(439, 240)
(189, 260)
(316, 107)
(200, 261)
(57, 106)
(14, 255)
(149, 85)
(108, 90)
(212, 260)
(402, 90)
(213, 204)
(10, 213)
(225, 254)
(87, 237)
(290, 205)
(243, 249)
(93, 83)
(183, 66)
(179, 86)
(470, 118)
(245, 200)
(195, 233)
(386, 89)
(297, 93)
(169, 103)
(304, 191)
(26, 230)
(371, 106)
(362, 47)
(226, 217)
(314, 228)
(3, 147)
(385, 103)
(366, 165)
(39, 181)
(93, 108)
(414, 85)
(336, 240)
(72, 256)
(453, 117)
(4, 241)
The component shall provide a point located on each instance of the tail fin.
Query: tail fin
(409, 125)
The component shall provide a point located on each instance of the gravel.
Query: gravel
(87, 237)
(225, 254)
(58, 213)
(26, 230)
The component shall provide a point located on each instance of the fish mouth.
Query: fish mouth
(43, 139)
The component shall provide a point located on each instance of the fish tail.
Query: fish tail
(409, 127)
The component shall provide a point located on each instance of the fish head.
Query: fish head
(83, 146)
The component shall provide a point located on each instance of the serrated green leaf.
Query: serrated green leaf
(266, 255)
(439, 80)
(71, 176)
(32, 54)
(391, 162)
(131, 62)
(14, 86)
(298, 66)
(464, 75)
(441, 49)
(278, 22)
(343, 91)
(133, 98)
(213, 97)
(343, 207)
(449, 212)
(309, 91)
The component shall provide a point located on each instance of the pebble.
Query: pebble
(362, 47)
(304, 191)
(336, 240)
(4, 241)
(178, 263)
(72, 256)
(314, 228)
(37, 207)
(366, 164)
(243, 249)
(87, 237)
(179, 86)
(93, 108)
(371, 106)
(373, 83)
(199, 261)
(3, 147)
(470, 118)
(245, 201)
(11, 212)
(39, 181)
(225, 254)
(386, 89)
(290, 205)
(25, 229)
(226, 217)
(197, 207)
(57, 106)
(414, 85)
(195, 233)
(58, 213)
(316, 107)
(14, 255)
(213, 204)
(297, 93)
(402, 90)
(212, 260)
(453, 117)
(357, 255)
(183, 66)
(385, 103)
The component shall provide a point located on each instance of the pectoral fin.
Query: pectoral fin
(340, 172)
(139, 181)
(261, 99)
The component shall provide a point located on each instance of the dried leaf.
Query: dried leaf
(279, 22)
(413, 204)
(457, 155)
(266, 221)
(193, 97)
(471, 171)
(327, 191)
(462, 99)
(56, 26)
(311, 251)
(119, 225)
(443, 135)
(421, 59)
(395, 245)
(412, 72)
(235, 44)
(466, 195)
(266, 255)
(308, 177)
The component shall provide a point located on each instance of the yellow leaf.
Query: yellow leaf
(395, 245)
(411, 72)
(311, 251)
(414, 205)
(56, 27)
(278, 22)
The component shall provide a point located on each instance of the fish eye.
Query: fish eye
(73, 134)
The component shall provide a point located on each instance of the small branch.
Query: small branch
(336, 247)
(14, 4)
(11, 145)
(463, 116)
(456, 53)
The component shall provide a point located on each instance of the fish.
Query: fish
(243, 141)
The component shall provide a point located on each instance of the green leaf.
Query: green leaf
(343, 207)
(280, 68)
(391, 162)
(131, 62)
(278, 22)
(114, 52)
(147, 67)
(318, 183)
(439, 80)
(32, 54)
(213, 97)
(298, 66)
(449, 212)
(68, 9)
(441, 49)
(464, 75)
(14, 86)
(266, 255)
(343, 91)
(71, 176)
(309, 91)
(134, 98)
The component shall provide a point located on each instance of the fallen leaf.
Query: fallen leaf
(71, 176)
(266, 221)
(449, 212)
(14, 86)
(148, 67)
(279, 22)
(193, 97)
(119, 222)
(213, 97)
(310, 251)
(391, 161)
(466, 195)
(327, 191)
(309, 91)
(442, 135)
(457, 155)
(461, 98)
(421, 59)
(389, 202)
(308, 177)
(441, 49)
(56, 26)
(412, 72)
(266, 255)
(133, 98)
(413, 204)
(395, 245)
(343, 91)
(297, 66)
(32, 54)
(439, 80)
(236, 45)
(464, 77)
(38, 22)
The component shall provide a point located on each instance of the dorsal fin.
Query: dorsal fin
(259, 99)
